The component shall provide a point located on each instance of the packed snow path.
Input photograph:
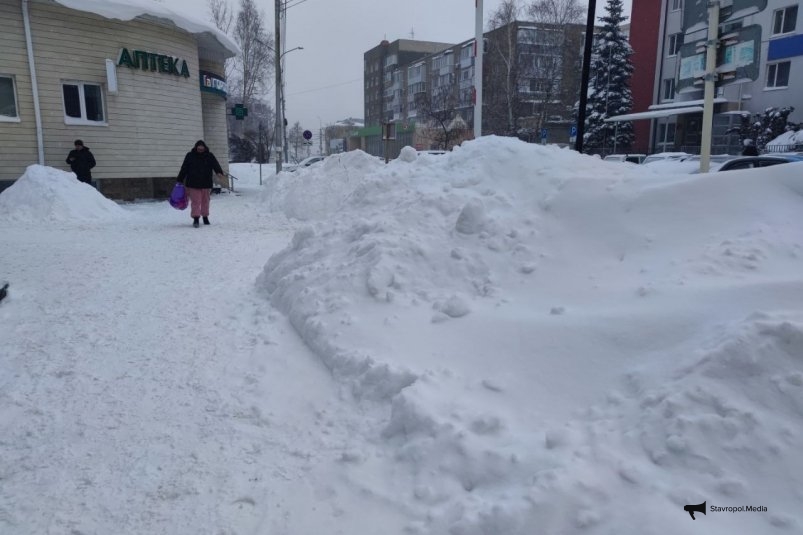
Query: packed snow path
(141, 391)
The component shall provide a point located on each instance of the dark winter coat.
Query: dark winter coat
(197, 169)
(750, 150)
(81, 161)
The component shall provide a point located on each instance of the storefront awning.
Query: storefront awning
(655, 114)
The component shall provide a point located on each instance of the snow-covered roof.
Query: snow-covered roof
(208, 36)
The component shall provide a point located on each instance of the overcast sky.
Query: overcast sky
(324, 81)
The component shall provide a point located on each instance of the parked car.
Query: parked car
(666, 156)
(306, 162)
(632, 158)
(714, 163)
(752, 162)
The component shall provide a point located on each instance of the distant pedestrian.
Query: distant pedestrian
(197, 169)
(749, 148)
(81, 162)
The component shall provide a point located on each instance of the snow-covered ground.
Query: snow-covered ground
(507, 339)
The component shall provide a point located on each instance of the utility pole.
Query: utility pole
(277, 135)
(710, 78)
(478, 51)
(581, 112)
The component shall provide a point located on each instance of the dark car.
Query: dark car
(752, 162)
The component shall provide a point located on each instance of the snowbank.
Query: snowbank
(496, 297)
(49, 194)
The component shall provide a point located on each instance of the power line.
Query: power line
(288, 5)
(325, 87)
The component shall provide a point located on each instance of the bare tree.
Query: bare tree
(255, 63)
(295, 138)
(502, 74)
(440, 110)
(556, 11)
(223, 17)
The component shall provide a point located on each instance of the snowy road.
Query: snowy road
(146, 388)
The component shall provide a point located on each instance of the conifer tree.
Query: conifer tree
(609, 87)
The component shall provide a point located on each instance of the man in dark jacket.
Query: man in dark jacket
(81, 162)
(196, 174)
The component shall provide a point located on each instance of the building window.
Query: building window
(778, 74)
(83, 103)
(677, 4)
(666, 136)
(669, 89)
(8, 99)
(675, 42)
(784, 20)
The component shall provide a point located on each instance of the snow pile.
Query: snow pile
(320, 190)
(49, 194)
(429, 233)
(561, 342)
(787, 139)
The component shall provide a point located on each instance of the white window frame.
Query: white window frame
(663, 142)
(674, 47)
(669, 83)
(7, 118)
(773, 67)
(677, 5)
(783, 12)
(82, 102)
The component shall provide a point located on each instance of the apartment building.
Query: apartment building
(531, 78)
(759, 65)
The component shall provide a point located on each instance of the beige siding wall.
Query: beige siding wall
(17, 139)
(152, 121)
(214, 118)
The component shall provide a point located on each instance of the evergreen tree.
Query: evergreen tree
(609, 87)
(761, 128)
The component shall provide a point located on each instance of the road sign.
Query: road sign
(239, 111)
(543, 136)
(572, 134)
(307, 134)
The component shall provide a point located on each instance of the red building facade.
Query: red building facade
(645, 38)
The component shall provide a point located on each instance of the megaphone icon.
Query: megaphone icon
(700, 508)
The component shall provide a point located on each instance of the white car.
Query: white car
(666, 157)
(306, 162)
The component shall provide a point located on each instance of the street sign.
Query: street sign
(239, 111)
(543, 136)
(307, 134)
(573, 134)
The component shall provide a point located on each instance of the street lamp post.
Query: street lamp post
(284, 117)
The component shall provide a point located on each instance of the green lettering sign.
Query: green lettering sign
(150, 61)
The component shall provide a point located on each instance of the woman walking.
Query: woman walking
(197, 169)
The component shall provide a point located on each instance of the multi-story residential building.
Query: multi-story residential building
(531, 80)
(759, 65)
